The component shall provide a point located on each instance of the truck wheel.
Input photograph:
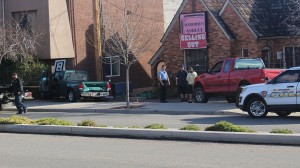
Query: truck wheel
(231, 99)
(257, 108)
(71, 97)
(283, 113)
(200, 96)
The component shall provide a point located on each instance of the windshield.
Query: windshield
(76, 76)
(248, 64)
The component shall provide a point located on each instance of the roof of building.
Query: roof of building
(215, 7)
(266, 18)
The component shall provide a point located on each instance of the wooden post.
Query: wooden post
(98, 40)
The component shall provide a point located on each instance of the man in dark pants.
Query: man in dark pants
(17, 88)
(164, 82)
(181, 83)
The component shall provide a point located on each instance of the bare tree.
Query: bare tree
(17, 42)
(128, 34)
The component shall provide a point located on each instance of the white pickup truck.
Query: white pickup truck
(281, 95)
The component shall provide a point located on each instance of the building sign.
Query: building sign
(60, 65)
(192, 31)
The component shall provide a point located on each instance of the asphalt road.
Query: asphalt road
(35, 151)
(125, 119)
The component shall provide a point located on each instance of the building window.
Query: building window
(112, 66)
(266, 56)
(291, 56)
(245, 53)
(25, 19)
(197, 58)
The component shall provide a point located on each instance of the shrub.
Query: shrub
(101, 126)
(134, 127)
(282, 131)
(155, 126)
(227, 127)
(119, 127)
(191, 128)
(87, 123)
(16, 120)
(53, 121)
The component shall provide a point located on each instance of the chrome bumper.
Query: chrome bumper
(96, 94)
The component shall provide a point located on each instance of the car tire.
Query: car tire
(257, 108)
(283, 113)
(231, 99)
(71, 97)
(200, 96)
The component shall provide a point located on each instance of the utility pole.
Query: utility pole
(98, 40)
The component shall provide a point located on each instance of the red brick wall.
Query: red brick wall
(244, 37)
(82, 28)
(151, 12)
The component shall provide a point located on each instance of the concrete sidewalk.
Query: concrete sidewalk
(147, 107)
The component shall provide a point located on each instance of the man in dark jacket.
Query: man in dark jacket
(17, 88)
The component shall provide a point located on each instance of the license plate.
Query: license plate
(28, 94)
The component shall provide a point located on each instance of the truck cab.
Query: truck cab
(62, 83)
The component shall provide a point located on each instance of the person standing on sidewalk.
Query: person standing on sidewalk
(17, 88)
(181, 83)
(164, 81)
(191, 78)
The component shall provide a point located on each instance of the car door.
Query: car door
(56, 81)
(214, 81)
(282, 91)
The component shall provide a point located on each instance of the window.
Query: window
(248, 64)
(292, 56)
(287, 77)
(197, 58)
(245, 52)
(76, 76)
(25, 19)
(58, 76)
(112, 66)
(227, 66)
(217, 68)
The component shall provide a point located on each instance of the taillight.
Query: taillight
(81, 86)
(108, 87)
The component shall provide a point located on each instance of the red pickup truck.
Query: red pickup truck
(228, 75)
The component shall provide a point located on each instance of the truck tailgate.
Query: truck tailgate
(272, 73)
(95, 86)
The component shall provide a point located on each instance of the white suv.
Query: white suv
(281, 95)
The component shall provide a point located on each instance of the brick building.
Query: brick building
(234, 28)
(70, 32)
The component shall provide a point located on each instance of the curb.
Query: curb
(132, 111)
(232, 137)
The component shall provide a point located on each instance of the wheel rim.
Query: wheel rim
(71, 95)
(257, 108)
(199, 96)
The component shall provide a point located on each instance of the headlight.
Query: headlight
(243, 90)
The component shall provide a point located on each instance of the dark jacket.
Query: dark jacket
(17, 86)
